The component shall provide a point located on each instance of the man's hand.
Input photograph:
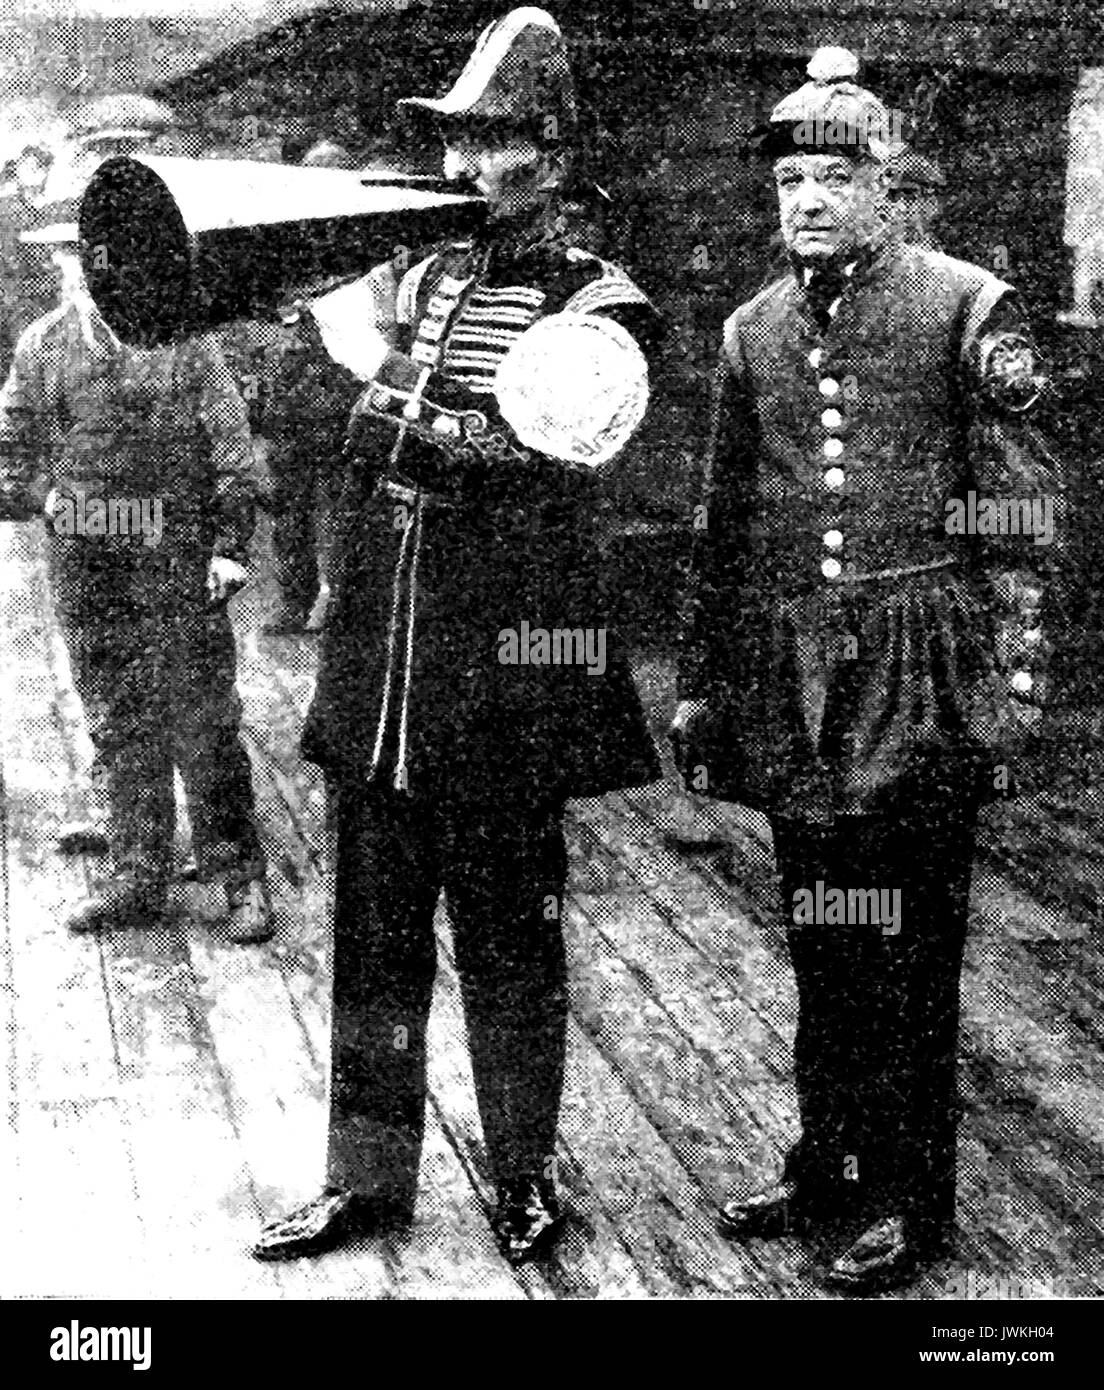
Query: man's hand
(224, 578)
(685, 714)
(686, 711)
(346, 322)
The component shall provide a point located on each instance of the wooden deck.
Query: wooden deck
(166, 1089)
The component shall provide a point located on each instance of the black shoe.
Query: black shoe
(249, 911)
(885, 1256)
(326, 1222)
(527, 1219)
(82, 837)
(121, 902)
(767, 1214)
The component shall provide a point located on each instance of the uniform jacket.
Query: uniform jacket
(849, 641)
(448, 542)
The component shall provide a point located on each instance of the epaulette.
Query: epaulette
(609, 287)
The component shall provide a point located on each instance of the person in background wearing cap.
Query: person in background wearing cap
(841, 670)
(514, 371)
(915, 187)
(26, 290)
(122, 123)
(144, 615)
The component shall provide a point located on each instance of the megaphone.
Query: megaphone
(172, 247)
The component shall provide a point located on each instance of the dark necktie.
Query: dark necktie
(824, 287)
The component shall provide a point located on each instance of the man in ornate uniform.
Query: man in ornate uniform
(456, 707)
(860, 645)
(160, 435)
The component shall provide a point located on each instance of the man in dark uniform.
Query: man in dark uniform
(450, 716)
(151, 510)
(859, 649)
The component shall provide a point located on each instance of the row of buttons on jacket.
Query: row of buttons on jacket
(831, 419)
(830, 567)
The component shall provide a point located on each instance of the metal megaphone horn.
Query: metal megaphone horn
(175, 246)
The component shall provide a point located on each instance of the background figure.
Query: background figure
(1084, 226)
(118, 124)
(916, 184)
(151, 513)
(27, 282)
(304, 422)
(41, 274)
(328, 154)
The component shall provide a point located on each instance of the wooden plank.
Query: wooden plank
(462, 1125)
(69, 1157)
(725, 1139)
(197, 1193)
(65, 1045)
(658, 1209)
(76, 1231)
(191, 1188)
(449, 1252)
(716, 1258)
(590, 1261)
(990, 1194)
(276, 1097)
(1028, 1216)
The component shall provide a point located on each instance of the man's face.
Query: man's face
(827, 204)
(510, 171)
(31, 172)
(68, 273)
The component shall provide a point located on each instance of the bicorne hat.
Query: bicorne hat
(518, 76)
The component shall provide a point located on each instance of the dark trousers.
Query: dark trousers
(502, 869)
(155, 666)
(874, 1055)
(305, 484)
